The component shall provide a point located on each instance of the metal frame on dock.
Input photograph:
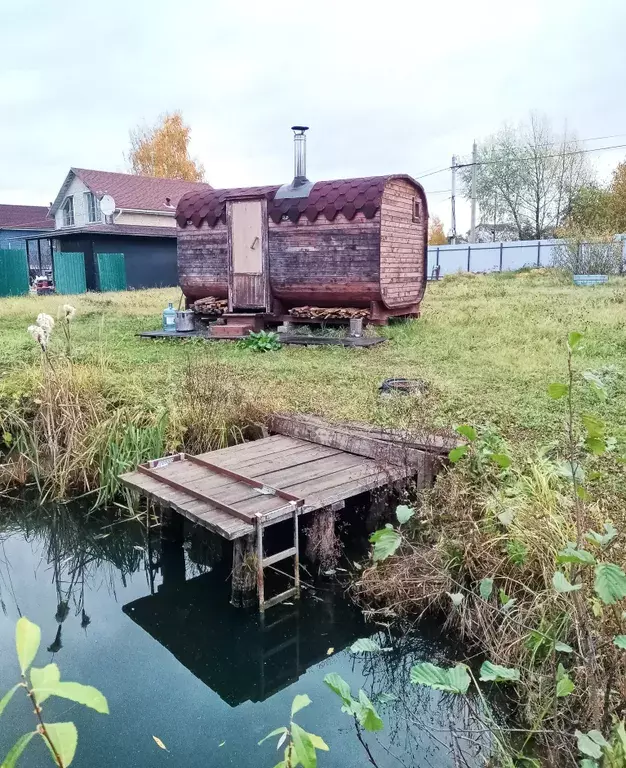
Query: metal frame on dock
(308, 465)
(295, 504)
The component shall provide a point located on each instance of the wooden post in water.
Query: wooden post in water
(243, 579)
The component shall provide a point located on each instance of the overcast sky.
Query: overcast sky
(386, 86)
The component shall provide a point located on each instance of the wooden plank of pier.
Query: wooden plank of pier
(317, 463)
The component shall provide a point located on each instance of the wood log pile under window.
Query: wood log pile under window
(329, 313)
(210, 306)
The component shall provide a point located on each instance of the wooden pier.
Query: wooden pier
(307, 465)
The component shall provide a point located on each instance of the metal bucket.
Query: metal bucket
(185, 320)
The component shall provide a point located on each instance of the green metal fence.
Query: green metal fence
(69, 272)
(13, 273)
(111, 271)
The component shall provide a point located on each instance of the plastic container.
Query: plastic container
(169, 318)
(590, 279)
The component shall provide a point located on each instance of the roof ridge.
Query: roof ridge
(74, 169)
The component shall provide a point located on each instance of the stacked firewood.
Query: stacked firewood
(210, 306)
(328, 313)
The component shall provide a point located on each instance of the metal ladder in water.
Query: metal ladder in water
(264, 562)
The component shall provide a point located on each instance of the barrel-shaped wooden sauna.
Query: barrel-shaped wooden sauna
(347, 243)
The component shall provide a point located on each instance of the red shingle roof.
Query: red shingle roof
(145, 193)
(140, 193)
(346, 196)
(24, 217)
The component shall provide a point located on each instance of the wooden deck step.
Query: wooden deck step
(280, 598)
(279, 556)
(230, 331)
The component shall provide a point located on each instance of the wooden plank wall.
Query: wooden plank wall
(203, 261)
(320, 262)
(402, 245)
(325, 262)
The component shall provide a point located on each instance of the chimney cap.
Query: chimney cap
(301, 128)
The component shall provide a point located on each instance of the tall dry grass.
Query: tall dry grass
(509, 526)
(78, 430)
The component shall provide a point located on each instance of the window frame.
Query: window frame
(92, 204)
(67, 209)
(416, 211)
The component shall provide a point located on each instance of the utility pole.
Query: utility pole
(472, 237)
(495, 216)
(453, 199)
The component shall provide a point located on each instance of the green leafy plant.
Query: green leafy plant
(484, 450)
(387, 540)
(498, 674)
(451, 680)
(39, 684)
(367, 645)
(300, 746)
(263, 341)
(362, 710)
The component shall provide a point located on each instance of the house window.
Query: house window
(417, 209)
(92, 207)
(68, 212)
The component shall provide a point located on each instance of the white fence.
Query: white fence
(489, 257)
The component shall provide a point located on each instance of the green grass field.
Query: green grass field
(486, 345)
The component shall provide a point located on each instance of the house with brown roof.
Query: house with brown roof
(19, 221)
(141, 227)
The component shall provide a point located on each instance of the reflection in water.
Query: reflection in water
(237, 654)
(76, 548)
(98, 571)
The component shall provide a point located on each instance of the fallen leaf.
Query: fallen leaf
(330, 651)
(160, 744)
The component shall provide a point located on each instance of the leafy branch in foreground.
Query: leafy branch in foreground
(300, 746)
(60, 738)
(362, 710)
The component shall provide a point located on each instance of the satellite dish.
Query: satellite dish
(107, 205)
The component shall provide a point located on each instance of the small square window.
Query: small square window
(417, 209)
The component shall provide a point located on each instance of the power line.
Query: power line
(432, 173)
(557, 154)
(524, 159)
(574, 140)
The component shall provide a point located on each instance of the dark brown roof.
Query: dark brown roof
(346, 196)
(110, 229)
(24, 217)
(140, 193)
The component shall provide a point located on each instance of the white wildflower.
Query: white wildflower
(46, 322)
(69, 310)
(38, 334)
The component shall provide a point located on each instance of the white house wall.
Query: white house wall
(81, 214)
(146, 219)
(77, 189)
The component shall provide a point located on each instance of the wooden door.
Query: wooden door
(248, 263)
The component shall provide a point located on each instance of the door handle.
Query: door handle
(255, 242)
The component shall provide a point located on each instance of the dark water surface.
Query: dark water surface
(151, 626)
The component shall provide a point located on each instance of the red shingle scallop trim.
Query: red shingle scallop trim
(327, 198)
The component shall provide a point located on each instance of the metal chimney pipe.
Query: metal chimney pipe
(299, 154)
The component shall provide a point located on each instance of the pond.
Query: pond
(150, 624)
